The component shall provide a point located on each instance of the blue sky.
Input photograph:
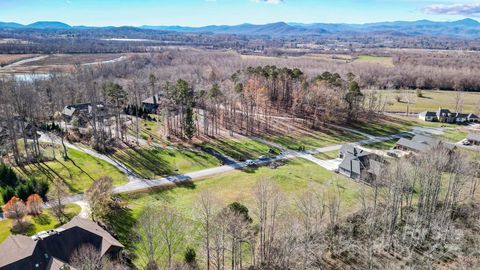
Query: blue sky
(207, 12)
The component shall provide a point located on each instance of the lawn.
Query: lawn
(240, 149)
(385, 145)
(432, 100)
(293, 178)
(78, 172)
(454, 135)
(154, 162)
(44, 222)
(389, 125)
(147, 129)
(325, 136)
(328, 155)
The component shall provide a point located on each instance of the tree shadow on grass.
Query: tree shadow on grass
(120, 222)
(42, 219)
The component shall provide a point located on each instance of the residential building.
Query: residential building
(421, 143)
(152, 103)
(474, 138)
(53, 249)
(446, 116)
(359, 164)
(84, 111)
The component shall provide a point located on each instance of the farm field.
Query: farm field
(432, 100)
(381, 60)
(6, 59)
(44, 222)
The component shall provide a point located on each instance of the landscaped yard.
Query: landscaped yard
(389, 125)
(385, 145)
(328, 155)
(293, 178)
(154, 162)
(44, 222)
(432, 100)
(454, 135)
(240, 149)
(78, 172)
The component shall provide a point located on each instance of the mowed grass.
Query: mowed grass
(324, 136)
(385, 145)
(454, 135)
(154, 162)
(147, 130)
(292, 179)
(389, 125)
(239, 149)
(78, 172)
(328, 155)
(382, 60)
(432, 100)
(44, 222)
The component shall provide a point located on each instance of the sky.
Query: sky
(231, 12)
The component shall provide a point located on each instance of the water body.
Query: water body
(26, 77)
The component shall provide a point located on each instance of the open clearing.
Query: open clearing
(44, 222)
(432, 100)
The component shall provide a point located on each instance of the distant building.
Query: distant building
(446, 116)
(83, 111)
(151, 104)
(474, 138)
(53, 249)
(421, 143)
(359, 164)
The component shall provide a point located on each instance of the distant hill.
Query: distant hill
(466, 28)
(49, 25)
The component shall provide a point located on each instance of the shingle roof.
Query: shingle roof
(21, 252)
(474, 137)
(472, 116)
(412, 144)
(428, 114)
(352, 158)
(153, 99)
(422, 143)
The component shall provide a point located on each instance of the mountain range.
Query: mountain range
(466, 28)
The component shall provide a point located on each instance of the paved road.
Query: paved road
(138, 184)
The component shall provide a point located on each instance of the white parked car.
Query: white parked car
(250, 163)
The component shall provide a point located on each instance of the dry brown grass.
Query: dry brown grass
(7, 59)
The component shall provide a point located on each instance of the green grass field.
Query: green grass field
(382, 60)
(315, 139)
(293, 178)
(78, 172)
(241, 149)
(44, 222)
(385, 145)
(153, 162)
(432, 100)
(388, 125)
(328, 155)
(454, 135)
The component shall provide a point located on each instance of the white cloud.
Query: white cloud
(273, 2)
(454, 9)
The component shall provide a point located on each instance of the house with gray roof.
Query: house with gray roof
(53, 249)
(359, 164)
(474, 138)
(446, 116)
(421, 143)
(152, 103)
(84, 111)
